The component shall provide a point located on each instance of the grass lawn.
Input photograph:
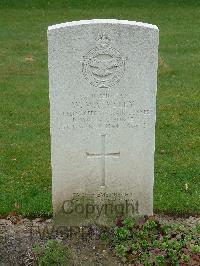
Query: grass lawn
(25, 172)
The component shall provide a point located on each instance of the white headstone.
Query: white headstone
(103, 80)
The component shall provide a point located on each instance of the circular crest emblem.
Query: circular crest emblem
(103, 66)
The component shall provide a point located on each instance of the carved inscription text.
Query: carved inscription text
(105, 111)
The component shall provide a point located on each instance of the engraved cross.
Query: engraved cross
(103, 156)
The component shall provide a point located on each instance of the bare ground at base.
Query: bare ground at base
(19, 235)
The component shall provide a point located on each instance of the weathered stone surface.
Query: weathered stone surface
(103, 79)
